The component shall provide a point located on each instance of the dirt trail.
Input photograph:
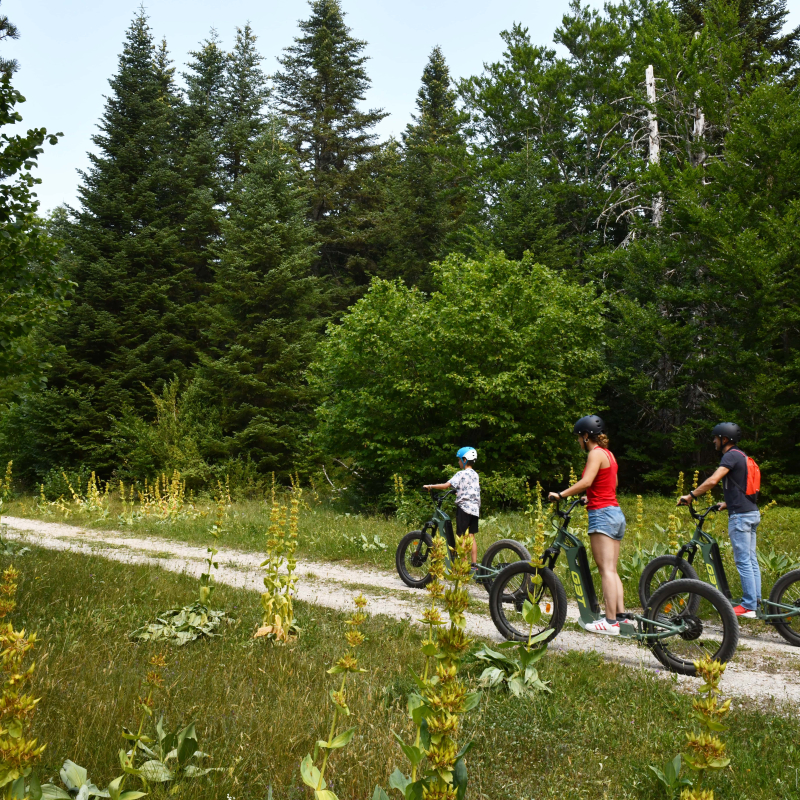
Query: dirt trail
(766, 668)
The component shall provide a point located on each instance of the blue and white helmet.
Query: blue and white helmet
(467, 454)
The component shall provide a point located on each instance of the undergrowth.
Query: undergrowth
(257, 709)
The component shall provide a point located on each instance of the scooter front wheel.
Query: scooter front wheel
(786, 591)
(510, 591)
(411, 559)
(660, 571)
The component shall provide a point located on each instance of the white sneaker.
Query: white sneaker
(604, 626)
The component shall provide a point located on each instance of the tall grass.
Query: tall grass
(257, 707)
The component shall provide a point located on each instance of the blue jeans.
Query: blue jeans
(742, 531)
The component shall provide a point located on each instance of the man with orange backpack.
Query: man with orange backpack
(741, 481)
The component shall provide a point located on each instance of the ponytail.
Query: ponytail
(601, 439)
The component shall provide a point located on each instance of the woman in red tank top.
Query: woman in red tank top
(606, 520)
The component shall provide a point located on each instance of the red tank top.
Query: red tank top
(603, 491)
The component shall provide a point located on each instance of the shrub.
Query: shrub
(504, 356)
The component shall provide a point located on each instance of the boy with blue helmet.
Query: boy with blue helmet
(468, 495)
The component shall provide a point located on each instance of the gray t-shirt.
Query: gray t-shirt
(735, 482)
(468, 491)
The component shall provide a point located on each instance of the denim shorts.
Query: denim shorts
(609, 521)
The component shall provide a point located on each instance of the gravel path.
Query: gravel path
(765, 669)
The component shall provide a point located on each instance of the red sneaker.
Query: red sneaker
(741, 611)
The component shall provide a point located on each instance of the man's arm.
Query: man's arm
(437, 486)
(708, 483)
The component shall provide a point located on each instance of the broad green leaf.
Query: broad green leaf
(325, 794)
(398, 781)
(491, 677)
(193, 771)
(51, 792)
(471, 701)
(342, 739)
(18, 787)
(187, 743)
(155, 772)
(460, 779)
(14, 729)
(430, 650)
(34, 787)
(414, 791)
(73, 776)
(310, 774)
(379, 794)
(531, 612)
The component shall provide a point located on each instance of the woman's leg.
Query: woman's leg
(606, 554)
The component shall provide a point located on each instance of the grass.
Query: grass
(325, 534)
(259, 708)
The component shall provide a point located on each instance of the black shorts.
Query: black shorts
(465, 522)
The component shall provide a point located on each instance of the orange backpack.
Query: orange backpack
(753, 478)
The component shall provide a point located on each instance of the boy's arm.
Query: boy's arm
(437, 486)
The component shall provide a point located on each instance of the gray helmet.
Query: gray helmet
(592, 425)
(730, 430)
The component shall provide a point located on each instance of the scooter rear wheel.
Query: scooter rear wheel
(710, 625)
(497, 557)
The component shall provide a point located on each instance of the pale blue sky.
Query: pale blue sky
(68, 50)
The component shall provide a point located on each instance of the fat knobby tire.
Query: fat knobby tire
(730, 625)
(782, 585)
(646, 588)
(549, 579)
(510, 546)
(410, 541)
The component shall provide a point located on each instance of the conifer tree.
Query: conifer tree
(245, 94)
(132, 251)
(319, 88)
(432, 199)
(266, 318)
(761, 23)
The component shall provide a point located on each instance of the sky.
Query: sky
(68, 51)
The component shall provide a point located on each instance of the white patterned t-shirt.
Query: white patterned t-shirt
(468, 491)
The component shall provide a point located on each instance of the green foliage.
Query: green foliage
(441, 698)
(670, 778)
(312, 775)
(33, 289)
(517, 674)
(319, 88)
(265, 320)
(182, 625)
(171, 757)
(430, 195)
(485, 359)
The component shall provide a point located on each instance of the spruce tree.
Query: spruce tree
(319, 88)
(761, 23)
(266, 318)
(431, 200)
(245, 93)
(132, 251)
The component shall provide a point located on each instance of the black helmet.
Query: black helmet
(592, 425)
(730, 430)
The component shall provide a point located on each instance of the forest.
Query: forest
(253, 283)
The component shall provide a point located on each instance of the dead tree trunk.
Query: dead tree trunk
(655, 140)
